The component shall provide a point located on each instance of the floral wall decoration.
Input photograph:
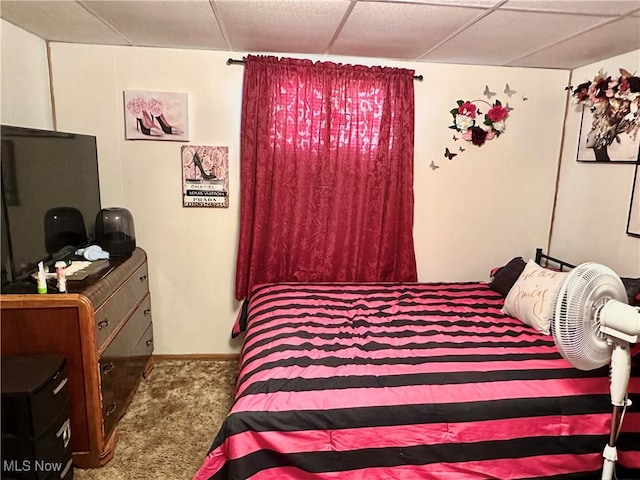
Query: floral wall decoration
(475, 126)
(610, 118)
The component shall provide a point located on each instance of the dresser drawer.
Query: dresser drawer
(113, 378)
(139, 322)
(49, 400)
(140, 356)
(116, 373)
(34, 393)
(52, 448)
(109, 315)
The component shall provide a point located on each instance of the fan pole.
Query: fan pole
(620, 373)
(610, 453)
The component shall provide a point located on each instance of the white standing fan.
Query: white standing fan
(592, 327)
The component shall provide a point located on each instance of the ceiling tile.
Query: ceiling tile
(613, 39)
(398, 30)
(59, 21)
(281, 25)
(179, 24)
(503, 36)
(527, 33)
(599, 7)
(457, 3)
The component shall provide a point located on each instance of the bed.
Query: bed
(410, 381)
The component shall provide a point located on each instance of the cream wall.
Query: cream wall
(493, 202)
(593, 199)
(24, 71)
(191, 251)
(474, 212)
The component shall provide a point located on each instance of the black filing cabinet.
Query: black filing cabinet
(36, 432)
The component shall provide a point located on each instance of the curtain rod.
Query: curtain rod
(232, 61)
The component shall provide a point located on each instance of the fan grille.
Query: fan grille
(575, 326)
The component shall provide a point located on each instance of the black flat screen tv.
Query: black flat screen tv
(42, 172)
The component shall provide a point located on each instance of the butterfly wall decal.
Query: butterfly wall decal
(462, 149)
(455, 139)
(524, 99)
(509, 109)
(433, 165)
(488, 93)
(449, 154)
(508, 91)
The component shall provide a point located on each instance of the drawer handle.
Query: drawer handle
(143, 278)
(149, 343)
(107, 368)
(59, 387)
(103, 324)
(147, 312)
(65, 432)
(66, 468)
(110, 409)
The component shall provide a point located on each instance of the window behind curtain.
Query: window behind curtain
(326, 173)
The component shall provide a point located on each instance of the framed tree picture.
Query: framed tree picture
(619, 147)
(609, 132)
(633, 224)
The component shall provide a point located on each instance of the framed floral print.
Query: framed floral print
(156, 116)
(610, 126)
(601, 143)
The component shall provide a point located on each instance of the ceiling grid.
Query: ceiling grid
(557, 34)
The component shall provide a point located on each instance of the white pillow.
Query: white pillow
(531, 299)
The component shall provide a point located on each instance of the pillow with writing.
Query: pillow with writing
(532, 298)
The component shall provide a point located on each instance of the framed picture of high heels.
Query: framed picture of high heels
(205, 176)
(156, 116)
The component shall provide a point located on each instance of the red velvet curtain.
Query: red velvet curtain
(326, 173)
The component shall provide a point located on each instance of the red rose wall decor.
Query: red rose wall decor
(476, 128)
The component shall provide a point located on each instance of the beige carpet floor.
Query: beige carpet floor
(171, 422)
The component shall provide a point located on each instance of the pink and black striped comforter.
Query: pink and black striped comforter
(410, 381)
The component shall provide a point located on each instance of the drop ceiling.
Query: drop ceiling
(521, 33)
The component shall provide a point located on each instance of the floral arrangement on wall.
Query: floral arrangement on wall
(476, 127)
(615, 105)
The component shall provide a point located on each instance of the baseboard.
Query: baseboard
(197, 356)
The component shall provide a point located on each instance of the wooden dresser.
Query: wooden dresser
(103, 327)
